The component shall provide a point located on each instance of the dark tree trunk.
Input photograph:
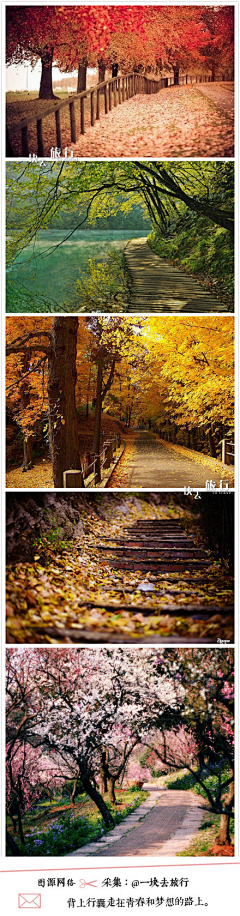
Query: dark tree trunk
(12, 845)
(62, 374)
(211, 443)
(99, 801)
(27, 452)
(103, 773)
(25, 397)
(82, 76)
(101, 71)
(46, 87)
(98, 410)
(20, 826)
(111, 790)
(74, 791)
(176, 75)
(224, 838)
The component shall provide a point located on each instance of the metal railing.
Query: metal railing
(114, 91)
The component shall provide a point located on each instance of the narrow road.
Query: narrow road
(157, 286)
(162, 826)
(154, 464)
(175, 122)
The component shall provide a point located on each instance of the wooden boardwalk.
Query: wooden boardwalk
(156, 286)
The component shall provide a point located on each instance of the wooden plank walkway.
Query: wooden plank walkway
(157, 286)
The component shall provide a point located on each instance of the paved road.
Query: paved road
(154, 464)
(162, 826)
(157, 286)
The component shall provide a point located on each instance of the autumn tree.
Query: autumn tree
(56, 348)
(219, 47)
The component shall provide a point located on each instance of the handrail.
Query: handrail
(116, 90)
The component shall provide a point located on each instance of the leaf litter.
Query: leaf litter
(75, 588)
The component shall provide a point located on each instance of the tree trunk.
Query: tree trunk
(46, 88)
(12, 845)
(176, 75)
(111, 790)
(211, 443)
(82, 76)
(103, 773)
(27, 452)
(25, 398)
(99, 801)
(98, 410)
(20, 827)
(74, 791)
(101, 71)
(62, 374)
(224, 838)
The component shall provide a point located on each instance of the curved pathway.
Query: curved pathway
(175, 122)
(163, 825)
(154, 463)
(157, 286)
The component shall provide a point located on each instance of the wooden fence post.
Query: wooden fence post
(82, 119)
(105, 99)
(98, 106)
(72, 479)
(72, 122)
(97, 469)
(92, 107)
(58, 129)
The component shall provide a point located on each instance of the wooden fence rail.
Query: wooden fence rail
(228, 451)
(91, 474)
(114, 91)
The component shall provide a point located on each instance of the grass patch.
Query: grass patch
(51, 830)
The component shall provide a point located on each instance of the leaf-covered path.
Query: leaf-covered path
(157, 286)
(75, 594)
(178, 121)
(151, 462)
(163, 826)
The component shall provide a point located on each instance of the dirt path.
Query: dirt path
(154, 463)
(179, 121)
(157, 286)
(162, 826)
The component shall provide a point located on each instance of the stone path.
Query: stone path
(162, 826)
(155, 464)
(156, 286)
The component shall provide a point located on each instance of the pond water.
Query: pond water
(44, 276)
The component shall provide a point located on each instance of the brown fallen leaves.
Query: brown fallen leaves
(178, 121)
(74, 588)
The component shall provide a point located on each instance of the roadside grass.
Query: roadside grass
(208, 830)
(60, 828)
(204, 251)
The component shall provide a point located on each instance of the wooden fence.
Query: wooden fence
(91, 474)
(114, 91)
(228, 451)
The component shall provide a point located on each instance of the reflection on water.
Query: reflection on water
(44, 276)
